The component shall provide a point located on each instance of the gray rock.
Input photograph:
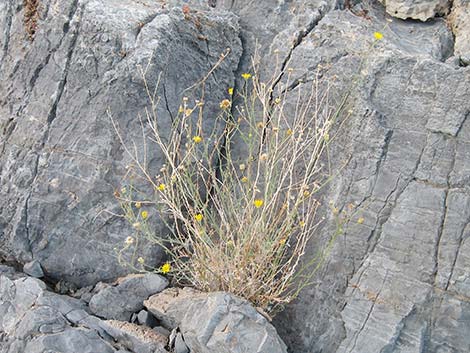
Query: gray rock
(60, 159)
(35, 320)
(147, 319)
(180, 345)
(416, 9)
(215, 322)
(34, 269)
(126, 297)
(459, 20)
(404, 166)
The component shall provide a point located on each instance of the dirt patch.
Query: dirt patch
(31, 16)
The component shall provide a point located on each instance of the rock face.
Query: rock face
(215, 322)
(60, 159)
(391, 281)
(397, 282)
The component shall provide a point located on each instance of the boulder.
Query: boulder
(214, 322)
(126, 297)
(416, 9)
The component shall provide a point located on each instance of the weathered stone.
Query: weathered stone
(459, 20)
(215, 322)
(60, 158)
(416, 9)
(34, 269)
(33, 320)
(402, 155)
(147, 319)
(125, 298)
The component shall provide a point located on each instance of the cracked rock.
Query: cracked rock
(215, 322)
(126, 297)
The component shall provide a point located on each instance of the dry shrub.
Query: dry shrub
(240, 203)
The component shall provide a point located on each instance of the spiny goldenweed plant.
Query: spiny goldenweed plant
(240, 204)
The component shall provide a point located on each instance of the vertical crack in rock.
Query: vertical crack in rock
(297, 41)
(369, 313)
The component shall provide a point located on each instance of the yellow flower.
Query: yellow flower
(165, 268)
(277, 100)
(141, 260)
(180, 109)
(246, 75)
(161, 187)
(197, 139)
(230, 91)
(378, 35)
(188, 112)
(282, 241)
(129, 241)
(144, 215)
(360, 220)
(198, 217)
(289, 132)
(302, 224)
(225, 104)
(244, 179)
(258, 203)
(306, 193)
(138, 204)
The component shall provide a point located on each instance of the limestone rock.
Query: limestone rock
(459, 20)
(416, 9)
(34, 269)
(403, 167)
(215, 322)
(125, 298)
(60, 159)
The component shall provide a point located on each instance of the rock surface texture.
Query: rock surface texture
(397, 282)
(215, 322)
(60, 159)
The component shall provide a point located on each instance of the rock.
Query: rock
(120, 301)
(35, 320)
(61, 159)
(214, 322)
(416, 9)
(162, 330)
(180, 345)
(34, 269)
(459, 20)
(136, 338)
(402, 160)
(147, 319)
